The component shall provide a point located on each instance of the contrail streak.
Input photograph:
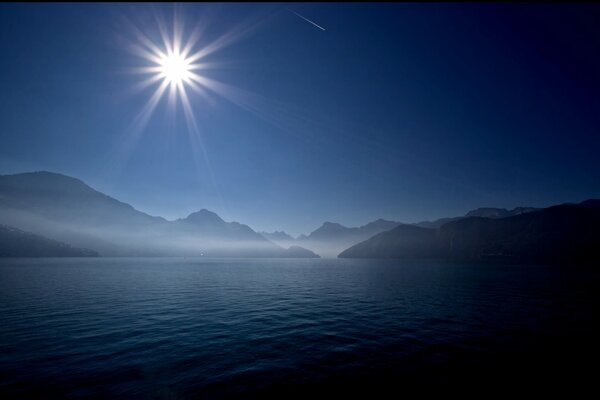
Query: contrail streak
(306, 19)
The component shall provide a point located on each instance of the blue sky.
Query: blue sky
(399, 111)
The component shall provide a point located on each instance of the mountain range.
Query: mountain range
(567, 232)
(277, 236)
(49, 214)
(65, 209)
(485, 212)
(331, 238)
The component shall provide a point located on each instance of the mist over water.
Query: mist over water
(187, 328)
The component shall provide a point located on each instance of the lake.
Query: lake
(215, 328)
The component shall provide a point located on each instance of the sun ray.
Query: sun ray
(143, 117)
(151, 50)
(167, 41)
(196, 140)
(230, 37)
(147, 83)
(176, 61)
(177, 33)
(191, 42)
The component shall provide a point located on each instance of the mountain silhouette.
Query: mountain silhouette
(66, 209)
(486, 212)
(331, 231)
(591, 203)
(210, 225)
(492, 212)
(331, 238)
(17, 243)
(436, 223)
(403, 241)
(299, 252)
(60, 197)
(563, 233)
(277, 236)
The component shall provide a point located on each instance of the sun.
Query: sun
(172, 64)
(175, 68)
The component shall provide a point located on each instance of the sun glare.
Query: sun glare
(175, 68)
(175, 65)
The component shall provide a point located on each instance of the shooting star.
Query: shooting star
(306, 19)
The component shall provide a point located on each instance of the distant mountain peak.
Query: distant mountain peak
(493, 212)
(205, 212)
(482, 212)
(381, 223)
(328, 224)
(204, 216)
(47, 178)
(488, 212)
(277, 235)
(47, 174)
(328, 228)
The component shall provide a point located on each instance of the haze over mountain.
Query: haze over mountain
(17, 243)
(277, 236)
(331, 238)
(558, 233)
(66, 209)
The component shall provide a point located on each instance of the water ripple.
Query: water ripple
(171, 328)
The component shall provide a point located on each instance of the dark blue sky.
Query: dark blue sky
(400, 111)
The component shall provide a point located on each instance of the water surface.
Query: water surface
(212, 328)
